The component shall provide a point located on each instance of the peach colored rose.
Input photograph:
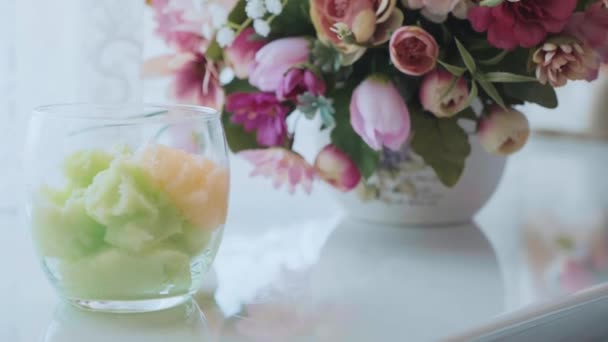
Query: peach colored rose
(413, 50)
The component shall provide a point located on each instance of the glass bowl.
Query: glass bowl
(126, 203)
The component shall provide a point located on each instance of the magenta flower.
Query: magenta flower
(299, 81)
(197, 81)
(275, 59)
(178, 31)
(522, 23)
(260, 112)
(337, 169)
(379, 114)
(283, 166)
(591, 27)
(432, 90)
(240, 55)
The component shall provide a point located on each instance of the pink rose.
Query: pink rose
(591, 27)
(522, 23)
(197, 81)
(299, 81)
(337, 169)
(379, 114)
(240, 55)
(432, 90)
(275, 59)
(413, 50)
(358, 15)
(504, 132)
(260, 112)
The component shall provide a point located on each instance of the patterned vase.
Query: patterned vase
(405, 191)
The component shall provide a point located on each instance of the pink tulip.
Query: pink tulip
(504, 132)
(337, 169)
(299, 81)
(241, 54)
(413, 51)
(175, 28)
(432, 91)
(275, 59)
(379, 114)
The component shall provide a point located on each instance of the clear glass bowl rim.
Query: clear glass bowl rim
(151, 112)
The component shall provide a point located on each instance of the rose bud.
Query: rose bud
(379, 114)
(504, 132)
(433, 95)
(337, 169)
(413, 51)
(299, 81)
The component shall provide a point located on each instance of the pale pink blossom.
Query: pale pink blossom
(562, 59)
(283, 167)
(438, 10)
(379, 114)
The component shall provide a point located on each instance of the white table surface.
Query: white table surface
(292, 268)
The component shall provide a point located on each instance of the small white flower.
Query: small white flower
(274, 6)
(255, 9)
(261, 27)
(225, 36)
(207, 31)
(219, 15)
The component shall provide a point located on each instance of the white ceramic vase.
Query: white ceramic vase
(409, 193)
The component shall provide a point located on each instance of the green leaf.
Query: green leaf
(214, 51)
(239, 86)
(495, 60)
(491, 3)
(467, 113)
(492, 92)
(346, 139)
(472, 96)
(543, 95)
(238, 139)
(507, 77)
(294, 20)
(453, 69)
(451, 87)
(310, 105)
(326, 57)
(238, 14)
(442, 144)
(468, 60)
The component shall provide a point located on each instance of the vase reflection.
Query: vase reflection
(183, 323)
(363, 282)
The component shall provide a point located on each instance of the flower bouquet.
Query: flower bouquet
(382, 76)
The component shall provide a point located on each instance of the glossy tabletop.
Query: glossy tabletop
(294, 268)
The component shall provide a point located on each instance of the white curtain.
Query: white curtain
(63, 51)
